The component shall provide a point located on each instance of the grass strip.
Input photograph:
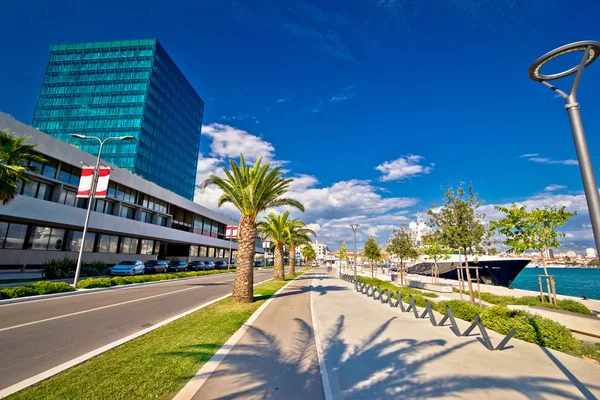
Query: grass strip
(158, 364)
(91, 283)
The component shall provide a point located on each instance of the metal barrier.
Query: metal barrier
(386, 296)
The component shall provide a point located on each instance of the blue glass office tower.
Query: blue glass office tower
(129, 87)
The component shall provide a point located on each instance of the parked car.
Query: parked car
(209, 265)
(128, 267)
(197, 266)
(155, 266)
(177, 266)
(259, 264)
(220, 265)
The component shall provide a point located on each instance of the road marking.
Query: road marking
(200, 378)
(320, 353)
(53, 371)
(95, 309)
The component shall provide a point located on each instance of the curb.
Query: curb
(198, 380)
(53, 371)
(96, 290)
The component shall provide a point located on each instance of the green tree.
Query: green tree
(308, 253)
(435, 250)
(402, 245)
(251, 190)
(17, 159)
(276, 227)
(535, 229)
(343, 254)
(298, 234)
(372, 252)
(460, 225)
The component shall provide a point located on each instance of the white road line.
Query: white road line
(320, 353)
(53, 371)
(198, 380)
(95, 309)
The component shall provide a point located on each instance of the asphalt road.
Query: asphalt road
(38, 335)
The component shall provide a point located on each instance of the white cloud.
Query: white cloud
(534, 157)
(553, 188)
(403, 168)
(228, 142)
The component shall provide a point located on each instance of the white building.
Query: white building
(571, 254)
(320, 250)
(591, 252)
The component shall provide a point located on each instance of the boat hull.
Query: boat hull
(499, 272)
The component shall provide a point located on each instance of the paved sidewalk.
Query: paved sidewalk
(276, 358)
(374, 351)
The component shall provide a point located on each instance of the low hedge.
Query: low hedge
(460, 309)
(128, 280)
(34, 289)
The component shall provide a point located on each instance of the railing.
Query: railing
(386, 297)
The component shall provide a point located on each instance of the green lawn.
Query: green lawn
(158, 364)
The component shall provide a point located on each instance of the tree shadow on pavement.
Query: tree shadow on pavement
(305, 289)
(384, 368)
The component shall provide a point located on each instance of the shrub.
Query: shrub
(35, 289)
(101, 266)
(531, 328)
(59, 268)
(94, 283)
(460, 309)
(574, 306)
(89, 271)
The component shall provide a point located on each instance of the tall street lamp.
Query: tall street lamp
(591, 51)
(354, 227)
(92, 193)
(230, 242)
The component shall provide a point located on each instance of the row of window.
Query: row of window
(90, 54)
(96, 66)
(89, 123)
(102, 111)
(212, 252)
(100, 76)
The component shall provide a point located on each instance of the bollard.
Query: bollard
(449, 316)
(429, 311)
(387, 297)
(506, 339)
(412, 306)
(486, 339)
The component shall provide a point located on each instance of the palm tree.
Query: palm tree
(252, 191)
(297, 235)
(276, 227)
(308, 253)
(16, 160)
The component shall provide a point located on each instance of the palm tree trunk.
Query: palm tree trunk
(278, 272)
(292, 270)
(243, 291)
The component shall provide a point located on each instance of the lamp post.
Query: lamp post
(230, 242)
(354, 227)
(92, 193)
(591, 51)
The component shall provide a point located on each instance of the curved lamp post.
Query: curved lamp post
(354, 227)
(92, 193)
(591, 51)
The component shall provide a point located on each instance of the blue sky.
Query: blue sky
(373, 104)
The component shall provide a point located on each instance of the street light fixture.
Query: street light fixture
(92, 194)
(591, 51)
(354, 227)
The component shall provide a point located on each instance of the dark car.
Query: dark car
(177, 266)
(220, 265)
(155, 266)
(209, 265)
(196, 266)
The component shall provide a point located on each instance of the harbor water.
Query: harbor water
(576, 282)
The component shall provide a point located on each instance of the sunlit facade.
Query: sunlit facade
(129, 87)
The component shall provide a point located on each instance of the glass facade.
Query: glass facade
(122, 88)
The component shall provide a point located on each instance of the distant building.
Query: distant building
(125, 88)
(320, 250)
(591, 252)
(571, 254)
(549, 253)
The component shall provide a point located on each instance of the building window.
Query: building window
(81, 203)
(221, 253)
(108, 243)
(67, 197)
(211, 252)
(104, 206)
(38, 190)
(13, 235)
(226, 254)
(193, 251)
(112, 190)
(162, 220)
(147, 247)
(74, 241)
(69, 174)
(202, 251)
(126, 194)
(44, 238)
(147, 217)
(206, 227)
(129, 245)
(127, 212)
(49, 168)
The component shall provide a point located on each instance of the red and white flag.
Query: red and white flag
(85, 182)
(231, 232)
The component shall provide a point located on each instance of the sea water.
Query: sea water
(576, 282)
